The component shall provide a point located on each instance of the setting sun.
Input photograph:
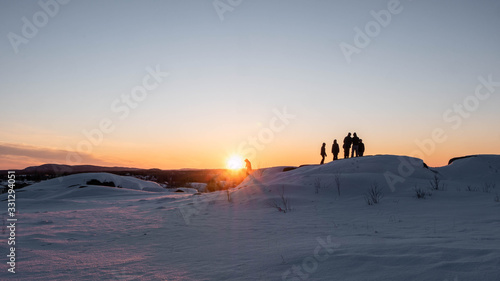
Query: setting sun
(234, 162)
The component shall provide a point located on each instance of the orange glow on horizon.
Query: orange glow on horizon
(235, 162)
(177, 155)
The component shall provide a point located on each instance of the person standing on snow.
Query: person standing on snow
(323, 154)
(347, 145)
(355, 143)
(361, 147)
(248, 165)
(335, 150)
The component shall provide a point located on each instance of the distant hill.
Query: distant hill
(65, 169)
(173, 178)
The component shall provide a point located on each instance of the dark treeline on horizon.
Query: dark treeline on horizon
(172, 178)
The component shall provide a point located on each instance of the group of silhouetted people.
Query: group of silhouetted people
(358, 148)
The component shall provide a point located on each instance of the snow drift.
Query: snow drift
(75, 231)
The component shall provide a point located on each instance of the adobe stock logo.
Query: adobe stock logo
(310, 264)
(39, 20)
(223, 6)
(482, 92)
(121, 107)
(455, 117)
(278, 123)
(363, 38)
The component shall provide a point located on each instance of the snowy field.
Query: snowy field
(70, 230)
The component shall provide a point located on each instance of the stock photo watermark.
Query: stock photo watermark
(194, 208)
(454, 116)
(363, 37)
(30, 27)
(323, 251)
(247, 149)
(11, 220)
(223, 6)
(266, 135)
(121, 108)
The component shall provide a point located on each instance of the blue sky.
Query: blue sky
(227, 75)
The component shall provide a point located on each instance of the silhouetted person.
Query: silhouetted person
(355, 143)
(347, 145)
(248, 165)
(335, 150)
(323, 153)
(361, 147)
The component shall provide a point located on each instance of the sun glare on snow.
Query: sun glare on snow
(234, 162)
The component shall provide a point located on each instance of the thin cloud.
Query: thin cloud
(28, 155)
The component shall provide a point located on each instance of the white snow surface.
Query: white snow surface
(68, 230)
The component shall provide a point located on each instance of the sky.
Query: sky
(189, 83)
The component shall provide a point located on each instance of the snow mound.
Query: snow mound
(76, 185)
(474, 168)
(75, 231)
(391, 173)
(370, 168)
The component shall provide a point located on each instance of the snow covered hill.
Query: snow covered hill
(307, 223)
(78, 185)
